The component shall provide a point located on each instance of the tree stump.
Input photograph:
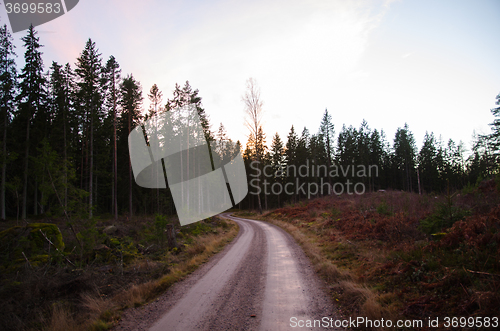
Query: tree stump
(171, 238)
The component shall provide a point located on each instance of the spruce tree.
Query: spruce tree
(277, 160)
(404, 157)
(155, 97)
(377, 158)
(130, 103)
(291, 157)
(112, 71)
(186, 96)
(427, 164)
(31, 100)
(8, 85)
(63, 123)
(495, 127)
(90, 99)
(327, 133)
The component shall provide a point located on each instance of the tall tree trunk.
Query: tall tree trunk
(157, 179)
(113, 185)
(329, 163)
(130, 171)
(91, 170)
(4, 167)
(35, 202)
(27, 151)
(257, 153)
(65, 153)
(115, 172)
(83, 159)
(115, 163)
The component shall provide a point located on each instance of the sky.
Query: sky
(434, 65)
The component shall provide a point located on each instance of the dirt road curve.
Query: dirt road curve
(261, 281)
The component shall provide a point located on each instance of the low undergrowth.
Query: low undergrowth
(397, 255)
(110, 267)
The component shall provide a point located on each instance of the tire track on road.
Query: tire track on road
(206, 305)
(258, 282)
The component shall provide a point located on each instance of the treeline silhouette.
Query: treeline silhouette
(64, 147)
(360, 160)
(65, 135)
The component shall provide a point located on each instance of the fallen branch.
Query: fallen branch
(27, 260)
(351, 243)
(66, 214)
(481, 272)
(57, 249)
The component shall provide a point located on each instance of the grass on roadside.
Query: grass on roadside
(89, 291)
(106, 312)
(355, 298)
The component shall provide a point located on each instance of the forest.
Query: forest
(65, 154)
(81, 241)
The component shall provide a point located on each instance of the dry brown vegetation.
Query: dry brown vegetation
(397, 255)
(125, 269)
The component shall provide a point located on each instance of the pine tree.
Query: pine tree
(261, 152)
(186, 96)
(404, 157)
(8, 84)
(31, 99)
(155, 107)
(319, 159)
(363, 147)
(131, 103)
(291, 147)
(377, 157)
(224, 145)
(428, 164)
(155, 97)
(327, 133)
(113, 71)
(347, 147)
(277, 154)
(302, 155)
(90, 97)
(495, 127)
(277, 161)
(61, 101)
(479, 163)
(454, 162)
(291, 156)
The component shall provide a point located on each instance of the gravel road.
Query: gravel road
(261, 281)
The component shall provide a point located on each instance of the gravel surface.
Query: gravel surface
(258, 282)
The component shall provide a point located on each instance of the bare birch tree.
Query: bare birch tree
(254, 112)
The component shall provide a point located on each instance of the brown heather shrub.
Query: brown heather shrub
(357, 216)
(312, 213)
(413, 275)
(476, 231)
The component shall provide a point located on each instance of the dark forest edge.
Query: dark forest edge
(65, 152)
